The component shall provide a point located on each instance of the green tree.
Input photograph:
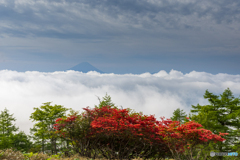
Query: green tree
(221, 115)
(106, 101)
(7, 128)
(21, 141)
(45, 117)
(6, 123)
(179, 115)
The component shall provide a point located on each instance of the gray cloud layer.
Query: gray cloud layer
(103, 19)
(158, 94)
(50, 35)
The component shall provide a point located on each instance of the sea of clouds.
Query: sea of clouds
(159, 94)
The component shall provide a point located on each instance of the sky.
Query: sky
(121, 36)
(157, 55)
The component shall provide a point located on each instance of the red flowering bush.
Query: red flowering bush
(75, 129)
(130, 134)
(187, 138)
(119, 134)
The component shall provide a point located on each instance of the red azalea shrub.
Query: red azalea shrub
(75, 130)
(187, 138)
(118, 134)
(118, 121)
(130, 134)
(63, 124)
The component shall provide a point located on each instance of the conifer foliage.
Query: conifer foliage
(179, 115)
(7, 128)
(220, 115)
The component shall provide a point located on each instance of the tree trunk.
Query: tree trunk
(43, 145)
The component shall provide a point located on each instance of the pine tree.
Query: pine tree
(106, 101)
(7, 128)
(221, 115)
(179, 115)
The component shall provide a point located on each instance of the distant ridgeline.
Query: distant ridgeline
(85, 67)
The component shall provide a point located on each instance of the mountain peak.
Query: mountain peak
(85, 67)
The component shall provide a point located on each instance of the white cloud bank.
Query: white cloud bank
(158, 94)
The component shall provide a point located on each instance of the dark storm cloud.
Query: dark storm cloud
(106, 18)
